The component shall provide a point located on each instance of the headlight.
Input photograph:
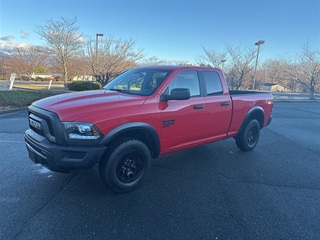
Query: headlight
(78, 130)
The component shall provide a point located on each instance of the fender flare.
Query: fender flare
(255, 110)
(114, 133)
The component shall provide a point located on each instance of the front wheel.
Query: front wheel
(248, 138)
(126, 166)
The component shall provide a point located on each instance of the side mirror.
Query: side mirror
(176, 94)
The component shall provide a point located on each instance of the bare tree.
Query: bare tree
(304, 70)
(110, 57)
(278, 72)
(212, 57)
(274, 70)
(62, 39)
(27, 60)
(308, 71)
(4, 67)
(79, 67)
(242, 65)
(152, 61)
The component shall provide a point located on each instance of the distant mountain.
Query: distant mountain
(3, 54)
(6, 47)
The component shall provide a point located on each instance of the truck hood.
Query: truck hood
(74, 106)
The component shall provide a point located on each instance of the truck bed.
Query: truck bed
(244, 101)
(238, 92)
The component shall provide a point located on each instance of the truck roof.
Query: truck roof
(175, 67)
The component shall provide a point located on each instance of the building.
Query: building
(272, 87)
(84, 78)
(42, 75)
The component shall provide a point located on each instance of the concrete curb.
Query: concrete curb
(296, 100)
(11, 110)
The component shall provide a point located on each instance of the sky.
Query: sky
(173, 29)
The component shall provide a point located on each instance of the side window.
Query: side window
(213, 83)
(187, 79)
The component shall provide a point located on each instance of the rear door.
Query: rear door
(183, 121)
(218, 105)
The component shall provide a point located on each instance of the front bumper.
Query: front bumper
(61, 158)
(269, 120)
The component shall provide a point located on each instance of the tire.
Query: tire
(126, 166)
(248, 138)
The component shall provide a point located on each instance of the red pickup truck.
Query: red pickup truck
(142, 114)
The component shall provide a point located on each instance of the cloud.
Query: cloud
(79, 37)
(25, 33)
(6, 47)
(7, 38)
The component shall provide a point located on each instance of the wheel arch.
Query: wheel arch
(137, 130)
(254, 113)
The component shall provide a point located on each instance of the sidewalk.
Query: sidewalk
(288, 98)
(4, 85)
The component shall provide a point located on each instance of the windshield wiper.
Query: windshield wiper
(120, 90)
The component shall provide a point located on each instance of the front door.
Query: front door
(183, 121)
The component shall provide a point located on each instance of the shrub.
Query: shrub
(25, 78)
(21, 98)
(82, 85)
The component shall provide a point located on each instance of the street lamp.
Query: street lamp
(255, 67)
(222, 62)
(97, 36)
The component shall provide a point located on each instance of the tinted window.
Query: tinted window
(213, 83)
(187, 79)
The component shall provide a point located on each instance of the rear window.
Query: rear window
(213, 83)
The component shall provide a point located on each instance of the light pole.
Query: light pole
(222, 62)
(255, 67)
(97, 36)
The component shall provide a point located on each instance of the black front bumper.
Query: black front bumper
(61, 158)
(269, 120)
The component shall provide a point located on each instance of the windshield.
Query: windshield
(138, 81)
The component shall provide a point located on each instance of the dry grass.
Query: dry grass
(34, 86)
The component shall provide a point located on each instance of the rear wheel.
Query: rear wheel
(248, 138)
(125, 167)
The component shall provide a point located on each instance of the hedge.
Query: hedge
(83, 86)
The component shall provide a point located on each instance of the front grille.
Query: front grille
(42, 125)
(49, 126)
(36, 125)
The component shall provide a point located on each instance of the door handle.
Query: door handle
(198, 107)
(225, 103)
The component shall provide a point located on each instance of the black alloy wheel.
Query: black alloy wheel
(130, 167)
(125, 167)
(248, 138)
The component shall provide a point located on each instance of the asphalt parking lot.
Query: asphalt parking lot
(210, 192)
